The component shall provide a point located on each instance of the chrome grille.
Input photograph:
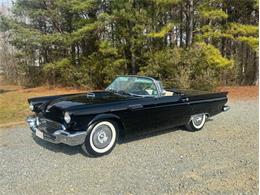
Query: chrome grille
(49, 126)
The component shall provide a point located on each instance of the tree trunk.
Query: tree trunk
(190, 23)
(181, 18)
(251, 67)
(256, 80)
(133, 63)
(223, 44)
(241, 64)
(73, 54)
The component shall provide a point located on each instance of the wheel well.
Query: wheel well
(207, 115)
(121, 129)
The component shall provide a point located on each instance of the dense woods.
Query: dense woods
(186, 43)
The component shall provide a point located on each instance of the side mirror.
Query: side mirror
(174, 90)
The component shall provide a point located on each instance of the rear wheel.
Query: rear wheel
(101, 139)
(196, 122)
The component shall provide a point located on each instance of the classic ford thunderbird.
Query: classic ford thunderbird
(129, 106)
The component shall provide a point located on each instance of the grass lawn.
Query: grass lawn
(13, 101)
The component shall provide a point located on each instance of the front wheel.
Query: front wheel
(101, 139)
(196, 122)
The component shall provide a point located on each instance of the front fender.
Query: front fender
(110, 116)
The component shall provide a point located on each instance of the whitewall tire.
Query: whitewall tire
(101, 139)
(196, 122)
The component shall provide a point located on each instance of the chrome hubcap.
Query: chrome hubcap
(102, 136)
(198, 119)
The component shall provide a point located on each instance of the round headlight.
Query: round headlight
(67, 117)
(31, 106)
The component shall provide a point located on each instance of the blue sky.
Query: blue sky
(6, 2)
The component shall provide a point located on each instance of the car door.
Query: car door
(140, 116)
(155, 113)
(171, 111)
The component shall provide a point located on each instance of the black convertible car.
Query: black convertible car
(129, 106)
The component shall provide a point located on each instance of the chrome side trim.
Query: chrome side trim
(208, 100)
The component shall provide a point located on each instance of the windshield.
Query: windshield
(140, 86)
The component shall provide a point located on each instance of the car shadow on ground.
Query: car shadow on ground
(74, 150)
(58, 148)
(150, 134)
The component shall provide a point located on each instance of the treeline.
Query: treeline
(186, 43)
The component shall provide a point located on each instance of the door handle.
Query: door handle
(185, 99)
(135, 106)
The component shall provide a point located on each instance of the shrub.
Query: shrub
(62, 72)
(196, 67)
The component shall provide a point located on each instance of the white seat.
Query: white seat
(168, 93)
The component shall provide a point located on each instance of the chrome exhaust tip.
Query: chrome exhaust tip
(225, 108)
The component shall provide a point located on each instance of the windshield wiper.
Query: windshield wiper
(130, 94)
(111, 90)
(118, 92)
(121, 92)
(124, 93)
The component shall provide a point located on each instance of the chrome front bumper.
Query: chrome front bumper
(58, 136)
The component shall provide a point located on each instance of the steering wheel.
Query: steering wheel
(140, 92)
(149, 88)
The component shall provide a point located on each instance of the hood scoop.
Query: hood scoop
(90, 95)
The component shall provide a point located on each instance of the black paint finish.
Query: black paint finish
(134, 115)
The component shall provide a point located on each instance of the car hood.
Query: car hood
(79, 100)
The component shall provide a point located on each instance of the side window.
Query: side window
(143, 86)
(150, 88)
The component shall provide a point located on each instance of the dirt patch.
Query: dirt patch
(12, 124)
(54, 89)
(241, 92)
(13, 100)
(41, 90)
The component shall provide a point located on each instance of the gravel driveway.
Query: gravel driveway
(222, 158)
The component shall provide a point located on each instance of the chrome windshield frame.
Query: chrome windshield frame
(160, 91)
